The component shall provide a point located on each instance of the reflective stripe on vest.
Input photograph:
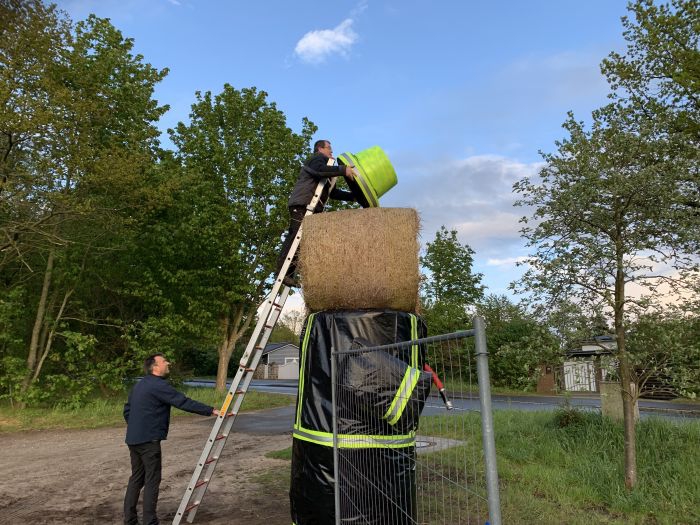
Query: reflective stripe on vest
(302, 367)
(355, 440)
(403, 394)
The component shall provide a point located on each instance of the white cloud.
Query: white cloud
(316, 46)
(473, 195)
(508, 261)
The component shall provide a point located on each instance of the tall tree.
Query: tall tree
(449, 285)
(240, 160)
(77, 131)
(606, 216)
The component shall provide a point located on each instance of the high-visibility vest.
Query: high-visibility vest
(390, 434)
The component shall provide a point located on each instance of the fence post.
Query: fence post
(487, 433)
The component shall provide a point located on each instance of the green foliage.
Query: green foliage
(665, 352)
(659, 75)
(449, 277)
(449, 287)
(78, 134)
(283, 334)
(518, 343)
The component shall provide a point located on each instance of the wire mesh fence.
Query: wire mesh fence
(413, 433)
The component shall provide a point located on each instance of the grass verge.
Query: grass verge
(108, 412)
(563, 467)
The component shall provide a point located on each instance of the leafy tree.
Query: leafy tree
(239, 160)
(77, 134)
(606, 215)
(449, 265)
(449, 286)
(283, 334)
(665, 352)
(518, 344)
(618, 203)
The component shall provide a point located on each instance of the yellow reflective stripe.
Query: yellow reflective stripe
(410, 380)
(302, 367)
(354, 445)
(414, 336)
(355, 441)
(390, 411)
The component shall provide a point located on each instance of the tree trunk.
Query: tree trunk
(628, 397)
(38, 324)
(232, 328)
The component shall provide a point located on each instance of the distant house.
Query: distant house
(279, 361)
(581, 371)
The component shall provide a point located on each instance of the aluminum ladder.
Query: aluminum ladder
(271, 309)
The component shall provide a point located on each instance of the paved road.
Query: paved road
(281, 419)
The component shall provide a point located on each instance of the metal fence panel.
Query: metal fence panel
(407, 447)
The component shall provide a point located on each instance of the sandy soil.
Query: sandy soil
(79, 476)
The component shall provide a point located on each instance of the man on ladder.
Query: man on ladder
(320, 166)
(316, 184)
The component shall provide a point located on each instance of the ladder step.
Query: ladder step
(211, 460)
(192, 506)
(201, 482)
(220, 437)
(240, 391)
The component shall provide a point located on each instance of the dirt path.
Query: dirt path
(79, 476)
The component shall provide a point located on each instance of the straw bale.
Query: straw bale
(360, 259)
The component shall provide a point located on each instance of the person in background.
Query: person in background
(147, 414)
(320, 166)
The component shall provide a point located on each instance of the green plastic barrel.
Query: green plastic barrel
(374, 175)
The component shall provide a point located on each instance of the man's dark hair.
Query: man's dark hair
(150, 361)
(319, 144)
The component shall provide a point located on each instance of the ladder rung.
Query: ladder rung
(211, 460)
(240, 391)
(201, 482)
(220, 436)
(191, 506)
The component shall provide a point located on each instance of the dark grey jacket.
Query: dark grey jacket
(147, 412)
(314, 170)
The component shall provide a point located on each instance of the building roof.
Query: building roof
(273, 347)
(598, 345)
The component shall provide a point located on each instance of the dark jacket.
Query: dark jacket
(314, 170)
(147, 412)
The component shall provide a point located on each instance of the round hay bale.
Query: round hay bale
(360, 259)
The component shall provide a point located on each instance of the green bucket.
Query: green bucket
(374, 175)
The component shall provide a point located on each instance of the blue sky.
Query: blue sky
(460, 94)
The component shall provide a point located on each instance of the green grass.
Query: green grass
(564, 468)
(573, 474)
(108, 412)
(285, 453)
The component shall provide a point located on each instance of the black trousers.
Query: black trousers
(145, 473)
(296, 215)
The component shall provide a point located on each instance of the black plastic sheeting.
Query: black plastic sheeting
(369, 381)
